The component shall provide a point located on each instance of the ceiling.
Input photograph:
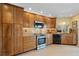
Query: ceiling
(52, 9)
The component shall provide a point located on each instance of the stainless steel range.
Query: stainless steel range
(41, 41)
(40, 38)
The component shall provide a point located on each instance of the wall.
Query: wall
(76, 18)
(61, 23)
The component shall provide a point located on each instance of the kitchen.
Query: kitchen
(22, 31)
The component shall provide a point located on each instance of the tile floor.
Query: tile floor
(54, 50)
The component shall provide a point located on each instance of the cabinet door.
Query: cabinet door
(49, 39)
(70, 39)
(8, 41)
(0, 39)
(18, 38)
(0, 13)
(40, 18)
(67, 39)
(29, 43)
(0, 33)
(63, 40)
(53, 22)
(18, 15)
(48, 22)
(31, 20)
(26, 20)
(44, 20)
(7, 13)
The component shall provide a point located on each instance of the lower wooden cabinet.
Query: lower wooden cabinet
(29, 43)
(49, 39)
(12, 41)
(67, 39)
(18, 38)
(7, 40)
(0, 33)
(0, 39)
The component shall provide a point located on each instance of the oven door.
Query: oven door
(41, 41)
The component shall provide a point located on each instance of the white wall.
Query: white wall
(76, 18)
(63, 22)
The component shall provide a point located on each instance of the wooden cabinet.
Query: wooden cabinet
(12, 39)
(0, 33)
(8, 40)
(44, 19)
(29, 19)
(29, 43)
(7, 13)
(11, 20)
(49, 39)
(48, 22)
(26, 19)
(32, 18)
(51, 22)
(18, 15)
(18, 38)
(0, 14)
(0, 39)
(67, 39)
(39, 18)
(12, 14)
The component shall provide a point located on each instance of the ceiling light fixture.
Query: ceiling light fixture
(41, 12)
(30, 8)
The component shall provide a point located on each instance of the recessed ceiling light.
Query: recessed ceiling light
(30, 8)
(41, 12)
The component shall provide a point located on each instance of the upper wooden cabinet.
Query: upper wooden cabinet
(32, 18)
(12, 14)
(26, 19)
(39, 18)
(0, 33)
(51, 22)
(18, 15)
(0, 13)
(45, 20)
(7, 11)
(29, 19)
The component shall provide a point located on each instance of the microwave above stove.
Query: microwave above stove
(38, 24)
